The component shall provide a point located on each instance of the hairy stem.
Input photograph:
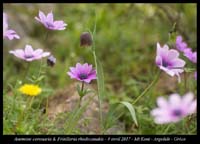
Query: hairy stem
(149, 87)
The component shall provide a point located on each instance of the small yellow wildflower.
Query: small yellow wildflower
(30, 89)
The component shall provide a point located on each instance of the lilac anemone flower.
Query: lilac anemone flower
(83, 72)
(180, 45)
(168, 61)
(8, 33)
(174, 109)
(28, 54)
(49, 23)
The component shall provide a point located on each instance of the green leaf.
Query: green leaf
(100, 81)
(189, 69)
(78, 88)
(132, 111)
(40, 78)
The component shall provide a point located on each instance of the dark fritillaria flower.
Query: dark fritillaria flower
(85, 39)
(51, 61)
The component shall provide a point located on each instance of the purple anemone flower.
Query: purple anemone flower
(8, 33)
(168, 61)
(180, 45)
(83, 72)
(49, 23)
(174, 109)
(192, 56)
(28, 54)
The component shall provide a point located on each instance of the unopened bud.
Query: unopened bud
(51, 61)
(85, 39)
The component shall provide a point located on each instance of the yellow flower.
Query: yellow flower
(30, 89)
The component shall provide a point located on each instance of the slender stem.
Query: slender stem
(28, 104)
(46, 36)
(185, 81)
(47, 105)
(82, 87)
(26, 71)
(167, 128)
(99, 97)
(149, 87)
(81, 96)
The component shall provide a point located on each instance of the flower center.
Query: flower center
(164, 63)
(177, 113)
(49, 24)
(82, 76)
(28, 56)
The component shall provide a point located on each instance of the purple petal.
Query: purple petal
(92, 75)
(11, 34)
(73, 70)
(187, 99)
(31, 59)
(172, 54)
(37, 52)
(85, 69)
(28, 50)
(175, 100)
(87, 80)
(50, 17)
(178, 39)
(192, 108)
(158, 60)
(158, 112)
(168, 71)
(18, 53)
(72, 75)
(45, 54)
(162, 51)
(59, 25)
(178, 63)
(162, 102)
(42, 16)
(79, 68)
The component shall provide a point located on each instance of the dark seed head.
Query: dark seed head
(85, 39)
(51, 61)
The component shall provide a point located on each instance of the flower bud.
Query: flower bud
(85, 39)
(51, 61)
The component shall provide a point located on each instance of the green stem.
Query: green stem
(28, 104)
(81, 96)
(185, 81)
(46, 36)
(82, 87)
(47, 104)
(167, 128)
(149, 87)
(99, 97)
(26, 71)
